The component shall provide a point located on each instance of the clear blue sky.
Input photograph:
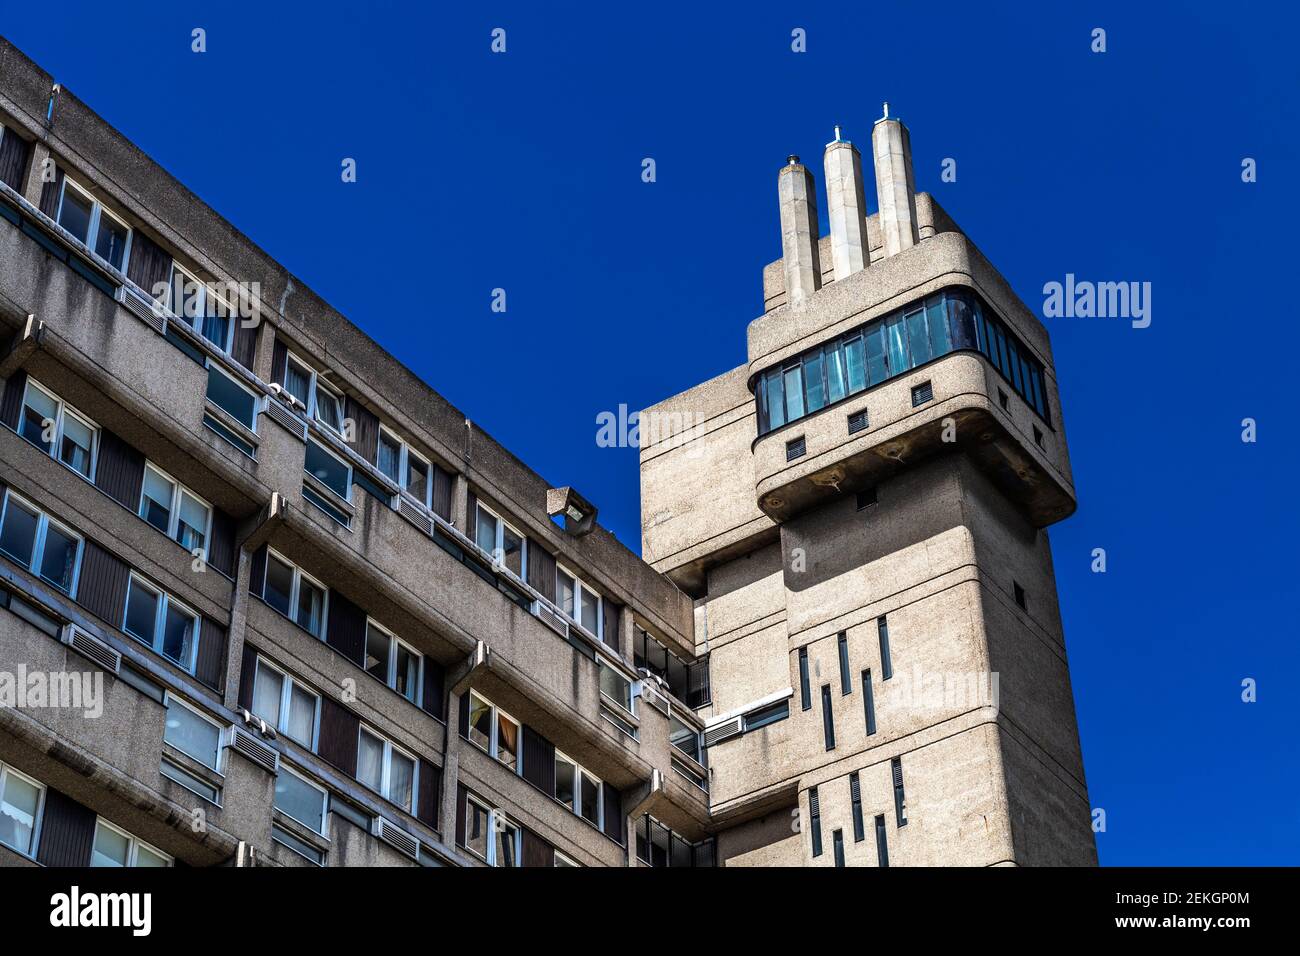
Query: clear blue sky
(522, 171)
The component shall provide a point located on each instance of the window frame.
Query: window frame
(578, 771)
(325, 802)
(385, 776)
(174, 511)
(295, 592)
(165, 602)
(134, 843)
(287, 684)
(97, 213)
(39, 539)
(291, 358)
(169, 699)
(494, 815)
(498, 549)
(351, 479)
(257, 399)
(333, 393)
(393, 644)
(63, 410)
(196, 322)
(38, 818)
(493, 749)
(580, 586)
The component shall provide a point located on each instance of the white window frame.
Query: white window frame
(493, 749)
(97, 212)
(287, 684)
(165, 601)
(576, 809)
(292, 359)
(195, 322)
(64, 410)
(325, 802)
(568, 861)
(496, 819)
(170, 699)
(581, 587)
(43, 522)
(404, 455)
(393, 642)
(257, 399)
(317, 387)
(498, 548)
(385, 777)
(6, 772)
(174, 510)
(342, 461)
(295, 590)
(133, 845)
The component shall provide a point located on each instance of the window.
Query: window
(922, 393)
(491, 835)
(882, 845)
(886, 665)
(41, 545)
(329, 407)
(689, 683)
(846, 682)
(285, 704)
(385, 769)
(837, 846)
(686, 739)
(868, 702)
(478, 827)
(805, 691)
(616, 688)
(393, 662)
(855, 801)
(578, 790)
(98, 229)
(232, 398)
(157, 619)
(199, 305)
(331, 471)
(175, 511)
(579, 602)
(657, 845)
(295, 595)
(1004, 401)
(1021, 600)
(900, 802)
(299, 381)
(815, 821)
(1038, 437)
(767, 715)
(115, 847)
(494, 731)
(828, 718)
(58, 429)
(297, 797)
(405, 468)
(21, 801)
(192, 733)
(504, 543)
(563, 861)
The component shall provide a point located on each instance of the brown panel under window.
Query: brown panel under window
(426, 810)
(366, 425)
(536, 851)
(247, 674)
(221, 551)
(346, 628)
(541, 570)
(442, 485)
(150, 265)
(119, 471)
(462, 721)
(434, 677)
(12, 402)
(339, 729)
(210, 662)
(279, 361)
(101, 588)
(50, 194)
(539, 761)
(67, 831)
(13, 159)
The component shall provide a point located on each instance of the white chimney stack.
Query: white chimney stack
(895, 188)
(846, 207)
(798, 195)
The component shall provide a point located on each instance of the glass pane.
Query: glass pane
(937, 319)
(480, 722)
(476, 829)
(111, 848)
(191, 734)
(835, 385)
(390, 457)
(192, 525)
(110, 244)
(775, 399)
(590, 799)
(300, 800)
(268, 687)
(40, 418)
(565, 783)
(156, 502)
(855, 364)
(512, 552)
(794, 393)
(60, 558)
(178, 635)
(565, 592)
(1013, 359)
(230, 398)
(18, 536)
(330, 471)
(141, 612)
(896, 345)
(417, 479)
(407, 673)
(1040, 402)
(590, 612)
(327, 409)
(74, 214)
(279, 584)
(918, 337)
(962, 320)
(297, 381)
(311, 607)
(145, 857)
(378, 647)
(616, 687)
(684, 738)
(370, 762)
(401, 780)
(812, 372)
(507, 836)
(485, 532)
(507, 741)
(216, 321)
(877, 370)
(302, 716)
(18, 806)
(77, 445)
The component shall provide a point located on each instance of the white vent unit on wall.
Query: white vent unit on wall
(396, 837)
(87, 645)
(286, 419)
(412, 513)
(731, 727)
(552, 620)
(143, 308)
(255, 749)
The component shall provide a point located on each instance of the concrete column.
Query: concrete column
(235, 632)
(450, 772)
(460, 503)
(798, 196)
(626, 632)
(33, 185)
(895, 188)
(846, 207)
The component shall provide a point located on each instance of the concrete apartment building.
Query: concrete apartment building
(334, 623)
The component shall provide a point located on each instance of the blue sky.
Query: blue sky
(522, 171)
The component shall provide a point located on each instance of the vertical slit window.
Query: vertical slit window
(900, 800)
(837, 846)
(868, 702)
(828, 717)
(855, 800)
(882, 842)
(886, 665)
(815, 821)
(846, 682)
(805, 692)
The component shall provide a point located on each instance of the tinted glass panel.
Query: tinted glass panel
(78, 445)
(141, 612)
(328, 470)
(918, 337)
(18, 535)
(300, 800)
(191, 734)
(110, 244)
(74, 214)
(230, 398)
(279, 584)
(59, 561)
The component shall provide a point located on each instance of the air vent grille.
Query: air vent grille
(728, 728)
(795, 448)
(552, 620)
(412, 513)
(92, 647)
(255, 749)
(858, 421)
(143, 309)
(278, 413)
(922, 393)
(396, 837)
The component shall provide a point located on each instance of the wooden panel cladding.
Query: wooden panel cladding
(346, 628)
(443, 480)
(539, 761)
(426, 810)
(119, 470)
(257, 573)
(221, 551)
(12, 401)
(462, 796)
(434, 680)
(615, 823)
(247, 673)
(536, 851)
(541, 570)
(339, 732)
(150, 265)
(13, 159)
(366, 435)
(67, 831)
(611, 610)
(243, 347)
(50, 193)
(279, 360)
(210, 662)
(101, 587)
